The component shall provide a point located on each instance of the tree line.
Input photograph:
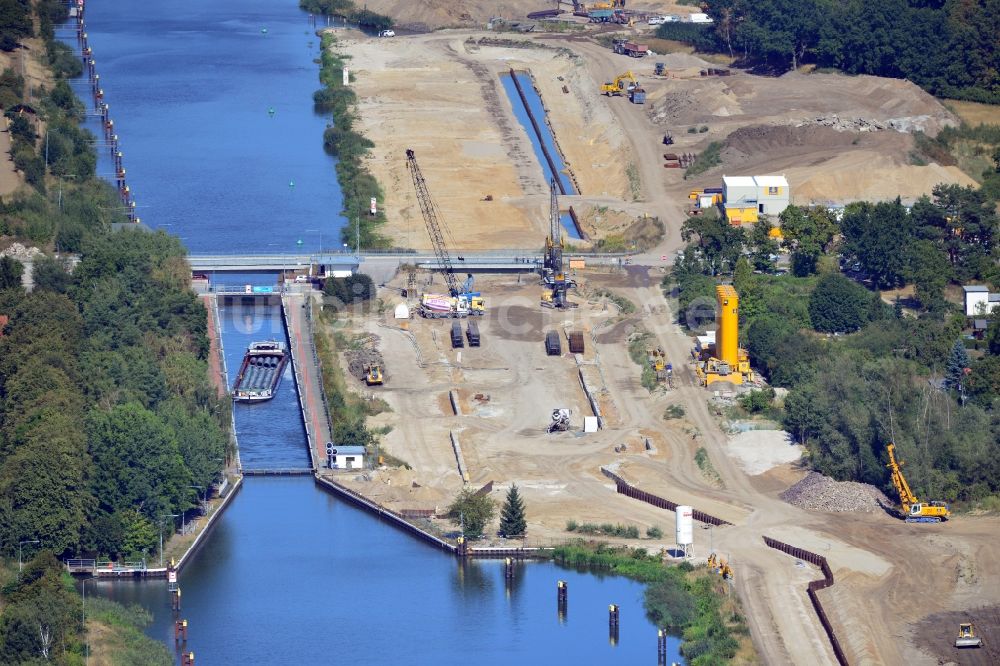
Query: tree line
(888, 374)
(107, 417)
(947, 47)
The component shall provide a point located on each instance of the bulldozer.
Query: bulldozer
(374, 377)
(914, 511)
(621, 85)
(967, 636)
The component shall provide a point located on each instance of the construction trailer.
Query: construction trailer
(725, 360)
(576, 345)
(747, 197)
(553, 347)
(472, 333)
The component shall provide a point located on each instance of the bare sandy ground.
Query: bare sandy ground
(424, 15)
(441, 96)
(889, 575)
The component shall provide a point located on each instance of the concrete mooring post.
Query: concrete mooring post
(508, 569)
(180, 631)
(613, 624)
(175, 600)
(187, 659)
(562, 591)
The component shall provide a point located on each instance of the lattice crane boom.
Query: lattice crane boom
(554, 244)
(427, 209)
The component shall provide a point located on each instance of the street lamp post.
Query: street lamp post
(20, 564)
(86, 640)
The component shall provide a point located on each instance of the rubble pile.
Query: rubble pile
(20, 252)
(822, 493)
(364, 355)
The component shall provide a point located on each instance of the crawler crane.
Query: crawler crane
(553, 275)
(914, 511)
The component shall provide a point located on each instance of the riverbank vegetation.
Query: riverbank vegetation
(862, 331)
(350, 147)
(107, 415)
(947, 47)
(41, 621)
(692, 602)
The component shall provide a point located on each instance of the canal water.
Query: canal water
(538, 111)
(290, 574)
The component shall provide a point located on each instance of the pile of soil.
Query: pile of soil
(822, 493)
(756, 140)
(359, 360)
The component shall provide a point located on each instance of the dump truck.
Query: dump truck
(472, 332)
(552, 345)
(456, 336)
(575, 342)
(631, 49)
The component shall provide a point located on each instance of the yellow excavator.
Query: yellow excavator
(718, 563)
(914, 511)
(621, 85)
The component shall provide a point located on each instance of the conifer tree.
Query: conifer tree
(958, 361)
(512, 522)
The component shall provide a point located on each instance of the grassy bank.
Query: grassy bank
(694, 602)
(114, 634)
(348, 410)
(350, 147)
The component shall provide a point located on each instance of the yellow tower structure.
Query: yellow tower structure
(727, 334)
(726, 361)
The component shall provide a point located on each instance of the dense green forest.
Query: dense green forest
(948, 47)
(107, 416)
(903, 370)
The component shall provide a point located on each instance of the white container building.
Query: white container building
(684, 527)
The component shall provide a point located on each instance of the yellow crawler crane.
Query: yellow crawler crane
(914, 511)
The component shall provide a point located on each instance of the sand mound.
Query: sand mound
(824, 494)
(757, 139)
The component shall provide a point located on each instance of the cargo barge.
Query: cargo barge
(261, 371)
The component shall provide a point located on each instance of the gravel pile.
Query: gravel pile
(824, 494)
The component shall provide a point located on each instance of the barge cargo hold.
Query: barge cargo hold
(261, 371)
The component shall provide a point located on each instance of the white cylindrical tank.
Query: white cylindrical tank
(685, 526)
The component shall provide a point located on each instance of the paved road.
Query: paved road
(307, 375)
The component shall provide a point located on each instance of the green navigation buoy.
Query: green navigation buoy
(291, 183)
(263, 31)
(270, 111)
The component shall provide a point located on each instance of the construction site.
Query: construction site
(571, 376)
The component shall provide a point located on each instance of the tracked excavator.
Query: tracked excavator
(914, 511)
(622, 84)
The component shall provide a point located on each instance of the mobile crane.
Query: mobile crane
(463, 300)
(914, 511)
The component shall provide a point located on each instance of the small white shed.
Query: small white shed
(348, 457)
(402, 311)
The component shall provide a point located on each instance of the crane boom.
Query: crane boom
(906, 496)
(427, 208)
(554, 260)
